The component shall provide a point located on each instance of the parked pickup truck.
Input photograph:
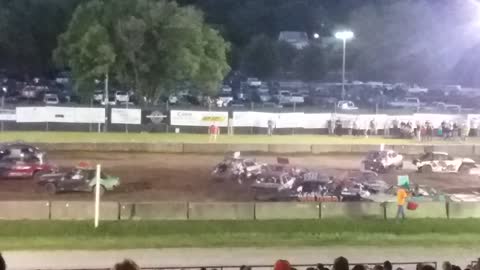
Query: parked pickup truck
(286, 97)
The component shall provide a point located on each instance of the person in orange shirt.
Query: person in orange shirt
(402, 196)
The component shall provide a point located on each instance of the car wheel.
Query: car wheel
(399, 167)
(102, 190)
(464, 168)
(51, 189)
(426, 169)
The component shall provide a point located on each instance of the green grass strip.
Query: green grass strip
(163, 234)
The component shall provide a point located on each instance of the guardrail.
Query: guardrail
(463, 150)
(265, 266)
(83, 210)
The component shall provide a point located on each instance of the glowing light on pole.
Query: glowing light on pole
(344, 36)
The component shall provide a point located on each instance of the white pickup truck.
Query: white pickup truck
(286, 97)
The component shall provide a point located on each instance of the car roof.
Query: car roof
(440, 153)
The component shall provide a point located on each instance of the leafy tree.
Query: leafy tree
(154, 44)
(310, 64)
(261, 58)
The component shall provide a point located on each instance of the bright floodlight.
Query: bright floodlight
(344, 35)
(316, 36)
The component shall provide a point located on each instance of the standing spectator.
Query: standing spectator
(429, 131)
(331, 127)
(340, 263)
(282, 265)
(402, 195)
(465, 131)
(386, 128)
(271, 126)
(338, 127)
(350, 127)
(418, 132)
(213, 131)
(356, 128)
(474, 127)
(373, 127)
(3, 265)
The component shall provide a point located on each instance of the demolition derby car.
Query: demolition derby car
(442, 162)
(382, 161)
(79, 179)
(236, 168)
(20, 160)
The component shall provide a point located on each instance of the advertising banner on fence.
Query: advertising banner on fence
(60, 115)
(198, 118)
(8, 115)
(127, 116)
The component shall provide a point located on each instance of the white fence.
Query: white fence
(52, 114)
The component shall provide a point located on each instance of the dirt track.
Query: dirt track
(152, 177)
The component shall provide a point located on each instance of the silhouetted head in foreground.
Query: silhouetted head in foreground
(340, 263)
(127, 264)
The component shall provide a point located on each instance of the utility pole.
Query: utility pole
(105, 97)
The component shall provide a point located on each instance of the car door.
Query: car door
(438, 163)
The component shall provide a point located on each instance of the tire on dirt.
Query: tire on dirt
(102, 190)
(465, 168)
(50, 188)
(426, 169)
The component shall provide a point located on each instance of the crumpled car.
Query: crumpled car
(79, 179)
(382, 161)
(236, 169)
(441, 162)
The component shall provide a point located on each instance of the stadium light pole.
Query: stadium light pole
(344, 36)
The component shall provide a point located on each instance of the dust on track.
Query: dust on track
(165, 177)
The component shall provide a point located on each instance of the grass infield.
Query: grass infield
(15, 235)
(86, 137)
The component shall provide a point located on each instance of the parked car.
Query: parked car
(254, 82)
(223, 100)
(286, 97)
(51, 99)
(122, 96)
(79, 179)
(406, 103)
(382, 161)
(112, 101)
(98, 96)
(346, 105)
(441, 162)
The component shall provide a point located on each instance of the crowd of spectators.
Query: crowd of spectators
(340, 263)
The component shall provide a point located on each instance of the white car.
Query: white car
(346, 105)
(223, 100)
(441, 162)
(98, 95)
(286, 97)
(382, 161)
(122, 96)
(51, 99)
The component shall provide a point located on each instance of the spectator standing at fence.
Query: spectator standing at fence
(429, 131)
(331, 126)
(355, 127)
(350, 127)
(271, 127)
(213, 131)
(474, 127)
(373, 127)
(386, 128)
(340, 263)
(465, 131)
(338, 127)
(402, 195)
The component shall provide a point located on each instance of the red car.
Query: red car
(14, 168)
